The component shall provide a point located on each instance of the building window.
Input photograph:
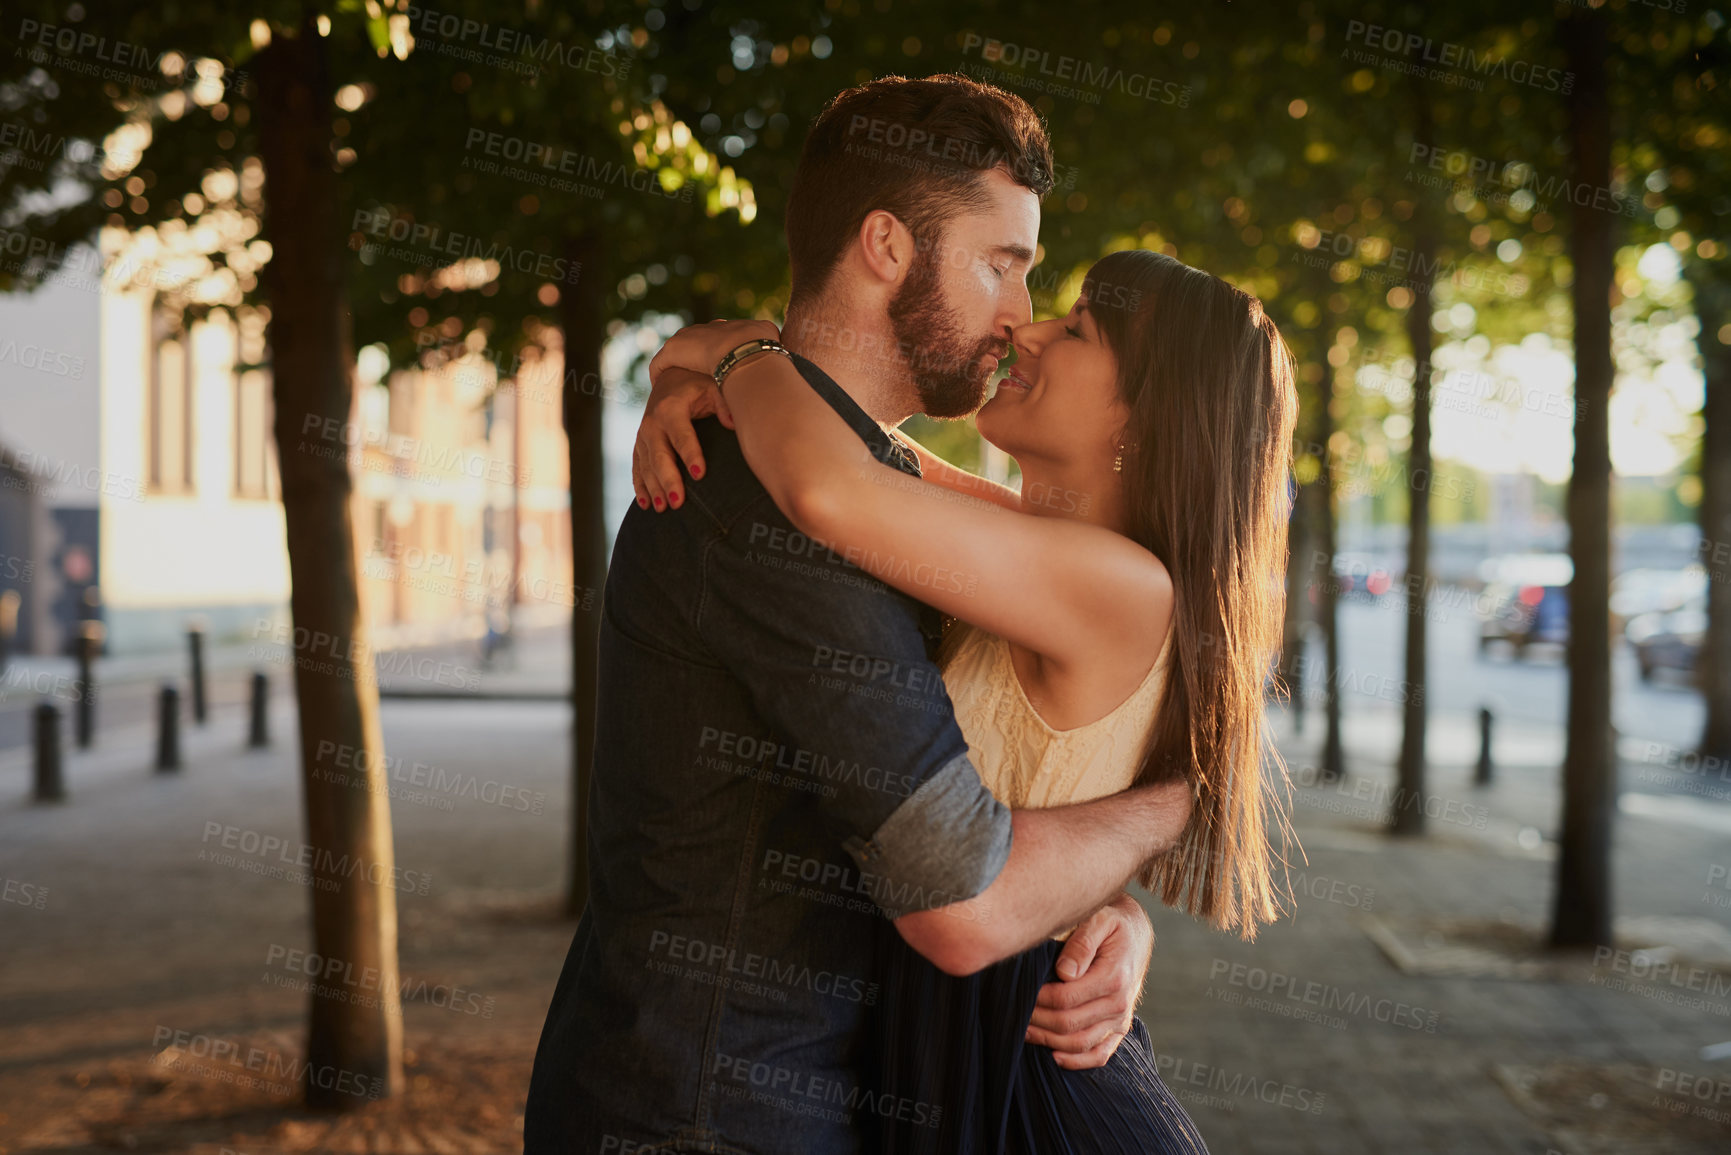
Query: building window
(170, 410)
(252, 434)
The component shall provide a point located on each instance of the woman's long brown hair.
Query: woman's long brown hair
(1208, 446)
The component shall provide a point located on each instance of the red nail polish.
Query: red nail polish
(673, 499)
(658, 503)
(643, 503)
(696, 472)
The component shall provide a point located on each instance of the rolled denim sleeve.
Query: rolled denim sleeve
(946, 843)
(835, 662)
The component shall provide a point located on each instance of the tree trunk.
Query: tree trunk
(1713, 310)
(355, 1041)
(1299, 576)
(1409, 798)
(516, 598)
(1328, 590)
(582, 319)
(1582, 916)
(702, 308)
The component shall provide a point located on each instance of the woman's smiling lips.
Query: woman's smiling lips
(1014, 380)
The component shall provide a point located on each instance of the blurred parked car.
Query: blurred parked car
(1669, 640)
(1654, 591)
(1359, 578)
(1526, 601)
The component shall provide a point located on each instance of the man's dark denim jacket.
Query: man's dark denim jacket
(777, 767)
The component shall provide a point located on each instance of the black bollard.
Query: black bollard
(260, 734)
(195, 648)
(89, 645)
(168, 731)
(1482, 777)
(49, 785)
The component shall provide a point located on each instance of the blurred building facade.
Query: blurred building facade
(139, 481)
(454, 468)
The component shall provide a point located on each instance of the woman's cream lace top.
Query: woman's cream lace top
(1025, 763)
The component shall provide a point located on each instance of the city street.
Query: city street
(1531, 690)
(536, 666)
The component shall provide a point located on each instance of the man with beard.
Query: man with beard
(777, 765)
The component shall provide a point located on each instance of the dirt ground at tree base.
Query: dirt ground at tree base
(459, 1096)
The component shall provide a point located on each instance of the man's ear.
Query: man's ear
(886, 247)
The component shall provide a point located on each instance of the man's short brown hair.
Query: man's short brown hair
(915, 148)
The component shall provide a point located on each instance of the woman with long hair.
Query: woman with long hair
(1111, 627)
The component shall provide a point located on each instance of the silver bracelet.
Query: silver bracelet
(744, 352)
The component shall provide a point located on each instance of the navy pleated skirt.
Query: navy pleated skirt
(958, 1076)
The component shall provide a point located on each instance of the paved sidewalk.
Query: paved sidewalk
(1312, 1040)
(141, 934)
(153, 911)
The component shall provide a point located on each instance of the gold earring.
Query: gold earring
(1118, 462)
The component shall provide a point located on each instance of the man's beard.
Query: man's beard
(949, 373)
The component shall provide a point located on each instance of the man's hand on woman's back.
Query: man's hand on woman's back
(1084, 1017)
